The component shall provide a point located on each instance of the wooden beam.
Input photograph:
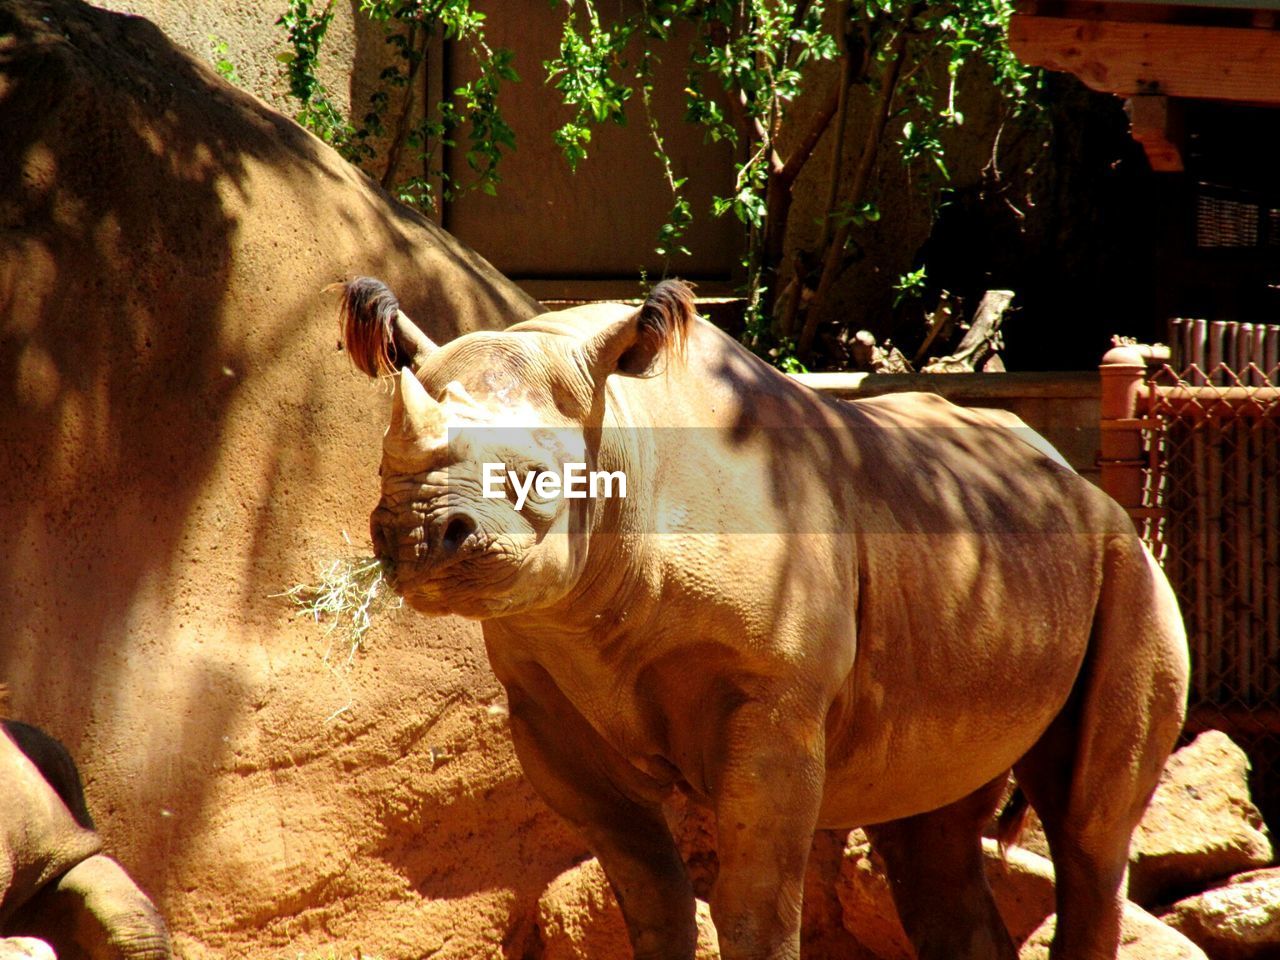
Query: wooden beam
(1175, 60)
(1155, 122)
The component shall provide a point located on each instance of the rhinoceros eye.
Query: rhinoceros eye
(523, 476)
(529, 474)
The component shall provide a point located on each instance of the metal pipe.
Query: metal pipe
(1120, 458)
(1179, 331)
(1213, 518)
(1257, 537)
(1197, 509)
(1237, 501)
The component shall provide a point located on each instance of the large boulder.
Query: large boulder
(183, 441)
(1142, 937)
(1237, 921)
(1022, 884)
(579, 919)
(1201, 824)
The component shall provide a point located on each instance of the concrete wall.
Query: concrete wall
(1062, 407)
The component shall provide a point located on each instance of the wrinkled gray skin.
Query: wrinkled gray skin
(805, 614)
(55, 882)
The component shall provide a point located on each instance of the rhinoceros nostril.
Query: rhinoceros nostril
(459, 527)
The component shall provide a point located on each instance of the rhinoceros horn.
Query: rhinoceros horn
(416, 418)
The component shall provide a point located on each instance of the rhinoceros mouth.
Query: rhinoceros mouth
(475, 583)
(437, 593)
(471, 608)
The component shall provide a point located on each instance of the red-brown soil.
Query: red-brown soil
(181, 441)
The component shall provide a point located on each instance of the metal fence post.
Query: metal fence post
(1121, 460)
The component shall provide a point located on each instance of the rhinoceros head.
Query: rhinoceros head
(463, 523)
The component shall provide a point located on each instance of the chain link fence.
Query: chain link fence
(1210, 511)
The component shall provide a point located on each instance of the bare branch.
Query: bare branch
(834, 260)
(842, 114)
(401, 133)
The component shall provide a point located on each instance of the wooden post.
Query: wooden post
(1121, 459)
(1156, 123)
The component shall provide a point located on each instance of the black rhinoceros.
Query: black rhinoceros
(804, 613)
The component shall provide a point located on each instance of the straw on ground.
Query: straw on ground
(351, 593)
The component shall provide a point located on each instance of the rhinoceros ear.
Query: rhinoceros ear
(635, 344)
(412, 341)
(377, 335)
(416, 419)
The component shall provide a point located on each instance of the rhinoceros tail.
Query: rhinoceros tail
(1011, 819)
(666, 316)
(366, 316)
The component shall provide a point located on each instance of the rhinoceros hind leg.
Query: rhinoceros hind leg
(934, 861)
(1092, 773)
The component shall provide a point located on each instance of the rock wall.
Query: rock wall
(183, 441)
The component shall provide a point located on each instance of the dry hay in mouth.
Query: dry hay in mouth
(351, 593)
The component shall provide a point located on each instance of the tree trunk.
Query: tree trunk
(982, 340)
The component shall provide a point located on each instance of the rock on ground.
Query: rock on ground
(1201, 824)
(1022, 884)
(25, 948)
(866, 903)
(1142, 937)
(579, 919)
(1237, 921)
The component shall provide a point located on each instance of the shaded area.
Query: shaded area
(1080, 239)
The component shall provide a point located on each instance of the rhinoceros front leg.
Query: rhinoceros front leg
(96, 912)
(588, 784)
(767, 793)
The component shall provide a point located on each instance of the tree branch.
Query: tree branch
(790, 170)
(842, 114)
(401, 132)
(834, 260)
